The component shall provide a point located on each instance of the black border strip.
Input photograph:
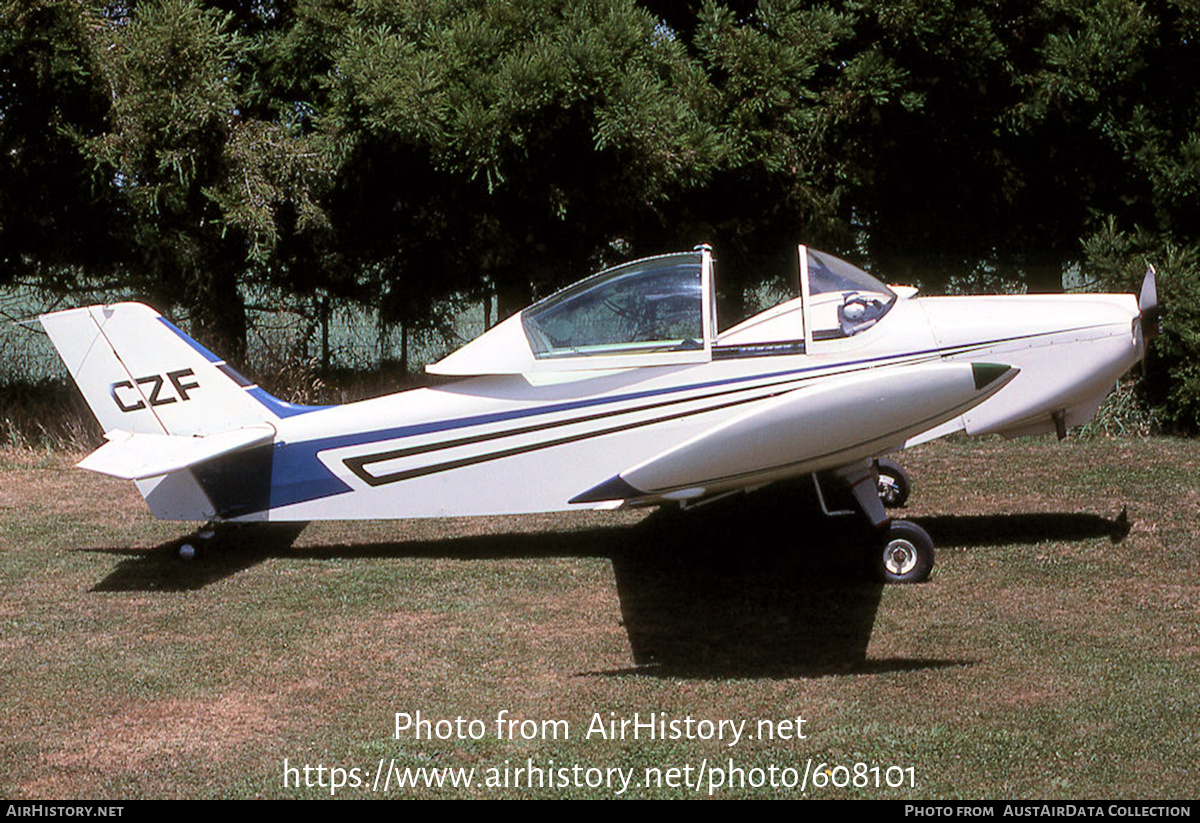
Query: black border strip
(357, 464)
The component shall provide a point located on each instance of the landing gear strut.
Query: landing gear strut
(248, 539)
(901, 551)
(193, 543)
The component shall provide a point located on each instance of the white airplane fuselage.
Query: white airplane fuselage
(502, 444)
(529, 427)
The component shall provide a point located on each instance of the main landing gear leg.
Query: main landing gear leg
(894, 483)
(195, 542)
(254, 538)
(900, 550)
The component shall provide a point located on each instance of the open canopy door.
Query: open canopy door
(838, 300)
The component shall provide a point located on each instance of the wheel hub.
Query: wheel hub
(900, 557)
(889, 492)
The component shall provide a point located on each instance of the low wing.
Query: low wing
(831, 423)
(135, 456)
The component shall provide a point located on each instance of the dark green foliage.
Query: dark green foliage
(405, 154)
(205, 187)
(55, 213)
(504, 146)
(1118, 260)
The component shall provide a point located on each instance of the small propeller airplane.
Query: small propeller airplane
(617, 391)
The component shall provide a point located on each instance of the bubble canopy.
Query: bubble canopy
(843, 299)
(650, 305)
(662, 311)
(827, 273)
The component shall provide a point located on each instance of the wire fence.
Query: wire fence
(283, 334)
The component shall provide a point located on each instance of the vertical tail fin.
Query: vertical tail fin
(172, 412)
(141, 374)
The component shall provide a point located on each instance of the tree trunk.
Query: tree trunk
(218, 314)
(512, 295)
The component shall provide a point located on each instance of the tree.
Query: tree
(1034, 120)
(789, 82)
(399, 154)
(56, 213)
(207, 190)
(501, 146)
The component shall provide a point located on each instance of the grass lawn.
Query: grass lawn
(1053, 654)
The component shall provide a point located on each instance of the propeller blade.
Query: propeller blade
(1148, 313)
(1148, 305)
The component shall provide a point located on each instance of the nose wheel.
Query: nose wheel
(905, 554)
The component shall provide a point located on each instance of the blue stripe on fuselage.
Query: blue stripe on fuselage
(277, 407)
(299, 476)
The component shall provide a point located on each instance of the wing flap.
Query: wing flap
(136, 456)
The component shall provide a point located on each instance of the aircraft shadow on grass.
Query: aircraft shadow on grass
(758, 587)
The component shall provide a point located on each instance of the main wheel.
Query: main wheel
(190, 548)
(906, 555)
(894, 485)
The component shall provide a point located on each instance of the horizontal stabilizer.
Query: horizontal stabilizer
(135, 456)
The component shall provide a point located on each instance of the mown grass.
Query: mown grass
(1052, 655)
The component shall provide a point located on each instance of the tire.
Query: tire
(894, 485)
(905, 555)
